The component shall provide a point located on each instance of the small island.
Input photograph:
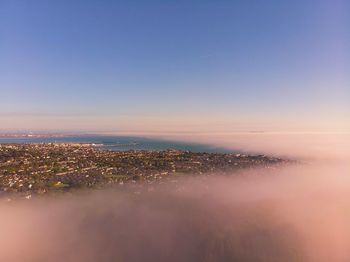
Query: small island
(35, 169)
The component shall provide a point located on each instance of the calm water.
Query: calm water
(121, 143)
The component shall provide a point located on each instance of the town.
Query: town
(34, 169)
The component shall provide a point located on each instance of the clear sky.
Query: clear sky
(160, 66)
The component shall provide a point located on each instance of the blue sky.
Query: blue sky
(174, 65)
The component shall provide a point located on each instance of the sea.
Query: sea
(121, 143)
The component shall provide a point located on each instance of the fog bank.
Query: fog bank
(311, 146)
(295, 213)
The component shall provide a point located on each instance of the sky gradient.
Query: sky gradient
(175, 66)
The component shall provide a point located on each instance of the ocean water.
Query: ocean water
(117, 143)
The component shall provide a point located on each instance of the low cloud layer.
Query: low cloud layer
(295, 213)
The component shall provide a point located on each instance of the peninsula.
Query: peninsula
(32, 169)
